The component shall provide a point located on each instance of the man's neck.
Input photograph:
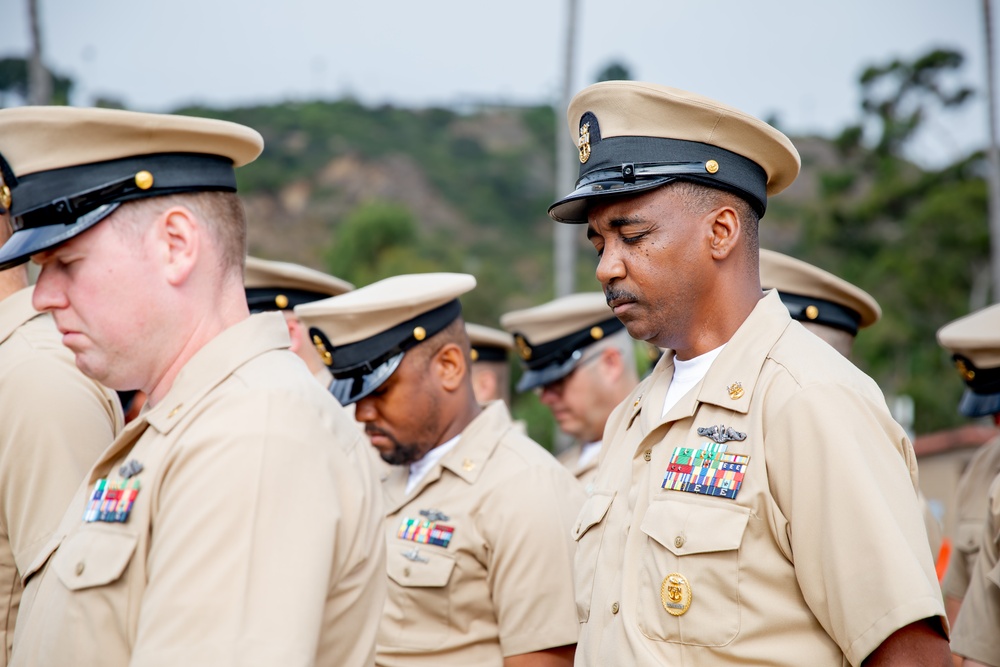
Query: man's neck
(13, 281)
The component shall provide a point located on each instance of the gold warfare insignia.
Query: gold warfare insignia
(583, 143)
(735, 390)
(522, 347)
(675, 594)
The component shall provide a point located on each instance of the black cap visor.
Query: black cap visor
(352, 389)
(979, 405)
(538, 377)
(31, 240)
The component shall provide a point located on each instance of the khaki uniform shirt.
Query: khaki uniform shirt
(971, 511)
(55, 423)
(977, 628)
(254, 538)
(479, 553)
(820, 555)
(584, 473)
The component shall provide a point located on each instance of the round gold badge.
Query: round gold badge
(812, 312)
(474, 354)
(597, 333)
(419, 333)
(281, 301)
(675, 594)
(711, 166)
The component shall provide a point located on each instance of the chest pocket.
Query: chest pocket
(93, 557)
(419, 606)
(701, 543)
(588, 531)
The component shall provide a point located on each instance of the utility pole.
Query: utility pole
(993, 179)
(565, 236)
(39, 80)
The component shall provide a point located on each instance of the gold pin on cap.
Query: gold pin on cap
(711, 166)
(597, 333)
(419, 333)
(474, 354)
(522, 347)
(281, 301)
(323, 352)
(5, 198)
(967, 373)
(812, 312)
(144, 180)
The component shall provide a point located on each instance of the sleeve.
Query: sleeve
(262, 537)
(528, 529)
(839, 470)
(56, 422)
(977, 627)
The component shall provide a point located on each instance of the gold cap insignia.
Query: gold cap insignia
(419, 333)
(675, 594)
(711, 166)
(323, 352)
(583, 143)
(812, 312)
(597, 333)
(967, 373)
(735, 390)
(144, 180)
(281, 301)
(5, 198)
(474, 354)
(522, 347)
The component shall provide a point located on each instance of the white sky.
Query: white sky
(797, 59)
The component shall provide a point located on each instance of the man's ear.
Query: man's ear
(178, 235)
(612, 364)
(451, 365)
(726, 232)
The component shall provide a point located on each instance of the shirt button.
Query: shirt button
(679, 541)
(79, 568)
(614, 608)
(648, 454)
(406, 571)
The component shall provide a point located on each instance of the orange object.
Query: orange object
(944, 555)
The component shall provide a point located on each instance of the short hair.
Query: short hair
(703, 198)
(221, 212)
(453, 333)
(623, 343)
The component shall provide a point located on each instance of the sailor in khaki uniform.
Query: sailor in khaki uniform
(581, 361)
(280, 286)
(755, 503)
(835, 310)
(973, 577)
(489, 370)
(56, 422)
(236, 520)
(478, 516)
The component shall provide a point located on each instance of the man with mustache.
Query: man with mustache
(756, 503)
(478, 516)
(581, 361)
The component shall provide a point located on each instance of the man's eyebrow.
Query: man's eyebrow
(616, 223)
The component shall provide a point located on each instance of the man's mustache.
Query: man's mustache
(612, 294)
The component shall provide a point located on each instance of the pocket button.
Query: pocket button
(679, 541)
(614, 608)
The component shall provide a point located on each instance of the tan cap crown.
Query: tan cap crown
(975, 336)
(793, 277)
(269, 281)
(44, 138)
(482, 337)
(559, 317)
(375, 308)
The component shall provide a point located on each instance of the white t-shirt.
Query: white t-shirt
(686, 375)
(589, 452)
(419, 469)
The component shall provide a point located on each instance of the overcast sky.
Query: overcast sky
(798, 60)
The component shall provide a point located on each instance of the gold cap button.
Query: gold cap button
(597, 333)
(144, 180)
(474, 354)
(419, 333)
(812, 312)
(679, 541)
(614, 608)
(711, 166)
(281, 301)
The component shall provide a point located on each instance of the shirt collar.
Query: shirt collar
(15, 310)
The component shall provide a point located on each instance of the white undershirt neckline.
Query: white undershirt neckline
(588, 453)
(419, 469)
(687, 374)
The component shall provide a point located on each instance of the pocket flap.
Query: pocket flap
(41, 558)
(592, 513)
(425, 570)
(689, 528)
(968, 535)
(93, 557)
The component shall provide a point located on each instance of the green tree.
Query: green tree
(14, 83)
(614, 71)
